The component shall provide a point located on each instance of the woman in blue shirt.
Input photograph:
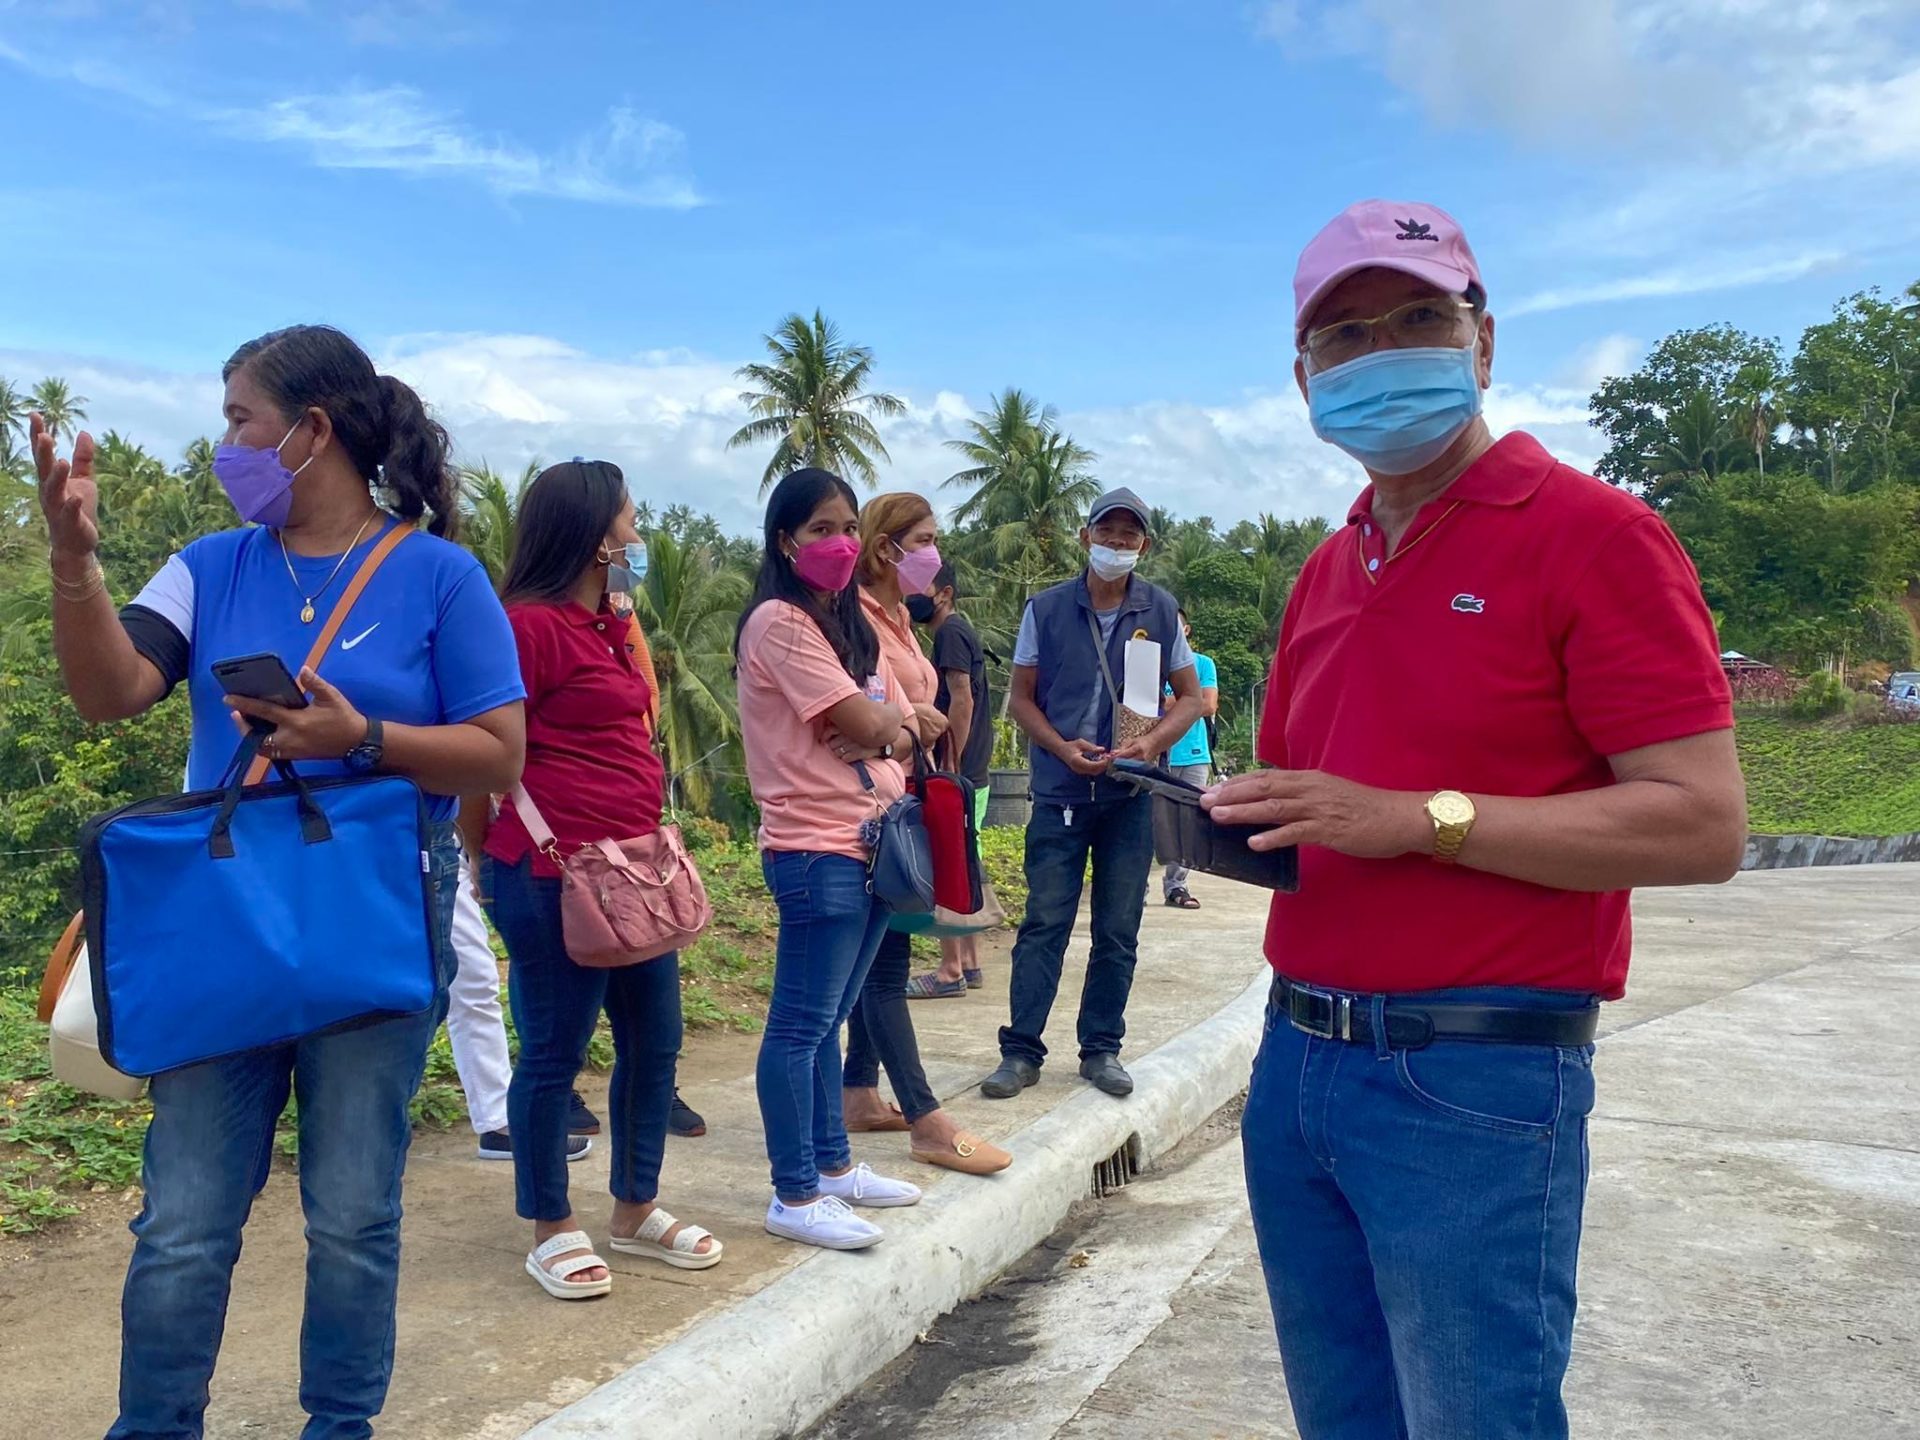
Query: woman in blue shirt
(325, 456)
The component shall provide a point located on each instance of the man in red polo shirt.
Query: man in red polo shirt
(1496, 707)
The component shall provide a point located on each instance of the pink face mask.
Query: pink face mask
(827, 564)
(917, 569)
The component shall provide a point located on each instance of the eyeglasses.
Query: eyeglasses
(1445, 321)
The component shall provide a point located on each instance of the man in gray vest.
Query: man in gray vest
(1065, 696)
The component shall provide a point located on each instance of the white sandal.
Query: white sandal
(681, 1254)
(557, 1281)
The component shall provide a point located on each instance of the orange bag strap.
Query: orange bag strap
(60, 965)
(322, 642)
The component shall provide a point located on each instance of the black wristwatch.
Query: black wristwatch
(364, 758)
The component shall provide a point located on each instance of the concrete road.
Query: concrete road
(1752, 1255)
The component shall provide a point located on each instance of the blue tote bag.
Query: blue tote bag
(221, 921)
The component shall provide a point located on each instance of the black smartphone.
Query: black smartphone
(260, 677)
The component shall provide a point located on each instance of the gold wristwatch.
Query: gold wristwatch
(1453, 815)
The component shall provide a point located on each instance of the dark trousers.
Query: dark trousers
(880, 1031)
(1118, 836)
(556, 1004)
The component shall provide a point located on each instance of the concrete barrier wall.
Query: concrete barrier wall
(1788, 852)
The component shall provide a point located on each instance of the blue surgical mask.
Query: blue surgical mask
(629, 573)
(1396, 410)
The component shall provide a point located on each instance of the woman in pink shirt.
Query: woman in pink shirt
(820, 716)
(898, 557)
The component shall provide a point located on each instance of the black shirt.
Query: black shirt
(956, 647)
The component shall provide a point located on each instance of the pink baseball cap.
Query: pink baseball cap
(1405, 235)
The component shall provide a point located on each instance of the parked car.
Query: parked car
(1903, 689)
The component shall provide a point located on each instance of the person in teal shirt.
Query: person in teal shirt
(1192, 759)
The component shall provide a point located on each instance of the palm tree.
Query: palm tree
(1279, 549)
(1031, 488)
(491, 509)
(813, 399)
(687, 605)
(13, 413)
(1000, 440)
(63, 409)
(1693, 451)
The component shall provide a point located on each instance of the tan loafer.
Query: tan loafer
(895, 1121)
(970, 1155)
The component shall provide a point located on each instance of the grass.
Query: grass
(58, 1145)
(1829, 777)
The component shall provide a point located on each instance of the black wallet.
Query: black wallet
(1184, 834)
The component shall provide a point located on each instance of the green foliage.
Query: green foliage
(1797, 574)
(1854, 393)
(1010, 751)
(1719, 363)
(1829, 777)
(1822, 695)
(811, 398)
(53, 1139)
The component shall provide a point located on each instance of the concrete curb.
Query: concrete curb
(1789, 852)
(775, 1363)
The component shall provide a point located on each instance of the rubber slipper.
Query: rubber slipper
(681, 1254)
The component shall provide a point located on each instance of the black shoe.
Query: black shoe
(1013, 1076)
(683, 1119)
(498, 1145)
(582, 1121)
(1106, 1073)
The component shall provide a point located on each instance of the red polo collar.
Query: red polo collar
(1508, 474)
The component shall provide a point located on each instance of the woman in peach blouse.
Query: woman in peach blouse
(820, 719)
(899, 557)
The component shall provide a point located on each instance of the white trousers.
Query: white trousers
(474, 1027)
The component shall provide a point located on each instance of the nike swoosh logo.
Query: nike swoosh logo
(349, 644)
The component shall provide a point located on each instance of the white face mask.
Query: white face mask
(1111, 564)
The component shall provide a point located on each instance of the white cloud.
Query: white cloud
(629, 159)
(1690, 280)
(1826, 85)
(665, 417)
(1597, 361)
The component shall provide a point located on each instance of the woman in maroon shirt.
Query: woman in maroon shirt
(592, 771)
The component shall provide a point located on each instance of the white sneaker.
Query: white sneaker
(828, 1222)
(860, 1186)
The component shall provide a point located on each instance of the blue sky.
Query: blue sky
(567, 223)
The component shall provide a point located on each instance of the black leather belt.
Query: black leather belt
(1348, 1016)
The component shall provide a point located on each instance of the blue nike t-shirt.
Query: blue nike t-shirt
(427, 642)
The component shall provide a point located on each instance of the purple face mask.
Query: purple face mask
(260, 487)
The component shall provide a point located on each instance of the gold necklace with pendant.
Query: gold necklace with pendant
(306, 610)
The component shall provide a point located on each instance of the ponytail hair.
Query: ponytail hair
(381, 423)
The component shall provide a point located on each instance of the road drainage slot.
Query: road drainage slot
(1118, 1169)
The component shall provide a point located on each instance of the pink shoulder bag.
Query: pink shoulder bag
(623, 901)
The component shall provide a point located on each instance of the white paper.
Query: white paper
(1141, 692)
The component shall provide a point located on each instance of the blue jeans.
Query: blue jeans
(1118, 834)
(1418, 1214)
(556, 1004)
(207, 1155)
(830, 927)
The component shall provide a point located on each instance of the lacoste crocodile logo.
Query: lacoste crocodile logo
(1414, 230)
(1469, 604)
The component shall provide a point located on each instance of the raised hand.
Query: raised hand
(69, 498)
